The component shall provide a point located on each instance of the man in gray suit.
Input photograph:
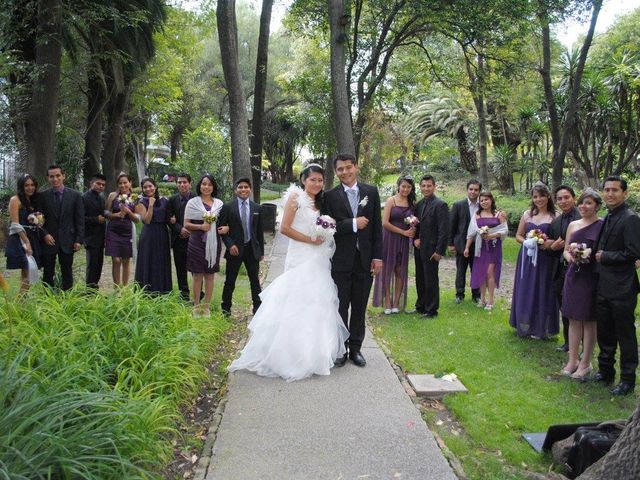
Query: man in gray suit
(63, 211)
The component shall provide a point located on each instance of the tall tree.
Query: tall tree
(228, 38)
(257, 122)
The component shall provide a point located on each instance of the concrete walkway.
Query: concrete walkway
(357, 423)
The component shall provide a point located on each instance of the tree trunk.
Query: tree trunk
(93, 133)
(623, 460)
(342, 123)
(42, 113)
(468, 158)
(228, 39)
(328, 172)
(112, 155)
(257, 123)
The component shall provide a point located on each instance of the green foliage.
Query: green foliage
(92, 386)
(207, 150)
(633, 194)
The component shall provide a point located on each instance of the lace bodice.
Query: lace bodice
(304, 222)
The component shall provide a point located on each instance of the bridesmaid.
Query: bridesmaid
(488, 258)
(534, 309)
(153, 266)
(203, 249)
(391, 282)
(24, 234)
(578, 294)
(119, 241)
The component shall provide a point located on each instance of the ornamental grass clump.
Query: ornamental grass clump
(92, 385)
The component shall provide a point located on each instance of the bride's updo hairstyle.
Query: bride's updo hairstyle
(304, 174)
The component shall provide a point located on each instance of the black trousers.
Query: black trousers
(462, 263)
(616, 326)
(427, 285)
(95, 260)
(180, 262)
(252, 265)
(66, 269)
(353, 291)
(558, 286)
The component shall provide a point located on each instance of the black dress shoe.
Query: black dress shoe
(458, 300)
(357, 359)
(562, 348)
(340, 361)
(623, 388)
(602, 378)
(430, 315)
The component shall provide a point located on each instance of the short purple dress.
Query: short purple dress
(395, 253)
(196, 261)
(491, 253)
(118, 241)
(534, 308)
(579, 292)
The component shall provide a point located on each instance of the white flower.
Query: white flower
(364, 201)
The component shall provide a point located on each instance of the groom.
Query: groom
(356, 209)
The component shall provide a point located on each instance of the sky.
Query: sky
(568, 32)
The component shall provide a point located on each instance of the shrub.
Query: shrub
(103, 377)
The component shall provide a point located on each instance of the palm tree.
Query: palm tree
(445, 117)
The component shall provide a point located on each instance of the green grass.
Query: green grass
(513, 383)
(92, 386)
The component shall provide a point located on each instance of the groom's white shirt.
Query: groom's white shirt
(357, 190)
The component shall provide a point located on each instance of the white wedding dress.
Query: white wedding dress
(297, 331)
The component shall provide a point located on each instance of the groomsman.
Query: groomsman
(566, 201)
(461, 214)
(430, 242)
(94, 228)
(617, 293)
(179, 234)
(244, 243)
(63, 211)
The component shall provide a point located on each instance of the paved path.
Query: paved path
(357, 423)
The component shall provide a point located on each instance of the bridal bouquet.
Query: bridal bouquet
(36, 219)
(209, 217)
(483, 230)
(580, 252)
(412, 221)
(537, 234)
(325, 227)
(128, 200)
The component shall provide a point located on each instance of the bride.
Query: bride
(297, 331)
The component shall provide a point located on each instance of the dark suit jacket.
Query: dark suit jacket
(558, 230)
(64, 220)
(368, 240)
(230, 216)
(433, 229)
(176, 208)
(94, 231)
(620, 243)
(459, 224)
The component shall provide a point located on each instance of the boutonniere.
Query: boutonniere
(364, 201)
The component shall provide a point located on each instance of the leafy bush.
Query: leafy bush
(633, 195)
(92, 386)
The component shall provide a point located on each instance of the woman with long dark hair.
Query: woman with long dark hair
(534, 309)
(153, 265)
(25, 229)
(297, 331)
(204, 247)
(398, 225)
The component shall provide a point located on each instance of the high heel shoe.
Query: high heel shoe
(567, 373)
(582, 374)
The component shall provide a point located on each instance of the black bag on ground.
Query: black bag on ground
(590, 444)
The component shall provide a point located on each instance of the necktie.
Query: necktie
(243, 218)
(352, 194)
(58, 196)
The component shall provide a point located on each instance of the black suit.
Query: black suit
(250, 252)
(617, 293)
(558, 229)
(64, 221)
(176, 206)
(351, 262)
(433, 232)
(459, 224)
(94, 232)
